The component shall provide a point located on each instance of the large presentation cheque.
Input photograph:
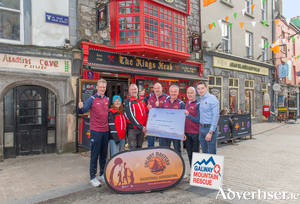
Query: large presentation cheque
(167, 123)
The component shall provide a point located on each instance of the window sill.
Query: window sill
(249, 14)
(263, 23)
(227, 3)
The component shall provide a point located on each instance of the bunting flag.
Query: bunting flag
(214, 24)
(235, 15)
(207, 2)
(288, 20)
(259, 45)
(276, 21)
(295, 58)
(244, 10)
(298, 57)
(230, 24)
(293, 38)
(266, 45)
(253, 23)
(263, 2)
(226, 18)
(275, 46)
(252, 7)
(283, 41)
(220, 23)
(265, 23)
(241, 24)
(210, 26)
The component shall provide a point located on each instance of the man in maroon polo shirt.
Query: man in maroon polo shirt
(173, 103)
(192, 123)
(155, 100)
(98, 105)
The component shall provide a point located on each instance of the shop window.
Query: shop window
(215, 88)
(249, 95)
(11, 19)
(233, 94)
(163, 28)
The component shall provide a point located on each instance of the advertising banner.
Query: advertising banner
(224, 128)
(143, 170)
(86, 135)
(282, 114)
(293, 113)
(167, 123)
(207, 170)
(241, 126)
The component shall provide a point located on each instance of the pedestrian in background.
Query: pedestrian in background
(155, 100)
(117, 126)
(192, 123)
(136, 114)
(98, 106)
(209, 118)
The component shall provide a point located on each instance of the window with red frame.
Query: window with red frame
(161, 27)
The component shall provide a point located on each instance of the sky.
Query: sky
(291, 8)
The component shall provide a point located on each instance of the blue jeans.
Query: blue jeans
(99, 144)
(151, 141)
(166, 142)
(192, 144)
(115, 148)
(209, 147)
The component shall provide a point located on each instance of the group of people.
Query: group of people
(110, 125)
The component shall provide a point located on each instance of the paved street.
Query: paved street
(269, 162)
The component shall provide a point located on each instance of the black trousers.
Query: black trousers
(192, 144)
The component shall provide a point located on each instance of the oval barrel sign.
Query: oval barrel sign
(143, 170)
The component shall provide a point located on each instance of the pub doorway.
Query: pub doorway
(29, 121)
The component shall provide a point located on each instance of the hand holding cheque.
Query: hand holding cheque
(166, 123)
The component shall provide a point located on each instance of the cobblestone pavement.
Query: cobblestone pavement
(269, 162)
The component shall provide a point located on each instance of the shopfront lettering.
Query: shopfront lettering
(35, 66)
(243, 66)
(165, 66)
(16, 60)
(125, 60)
(49, 63)
(145, 64)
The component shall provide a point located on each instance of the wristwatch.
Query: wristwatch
(210, 133)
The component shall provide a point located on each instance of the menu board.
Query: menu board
(87, 88)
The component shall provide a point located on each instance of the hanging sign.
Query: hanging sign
(102, 17)
(283, 70)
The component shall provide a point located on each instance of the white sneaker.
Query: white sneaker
(101, 179)
(95, 182)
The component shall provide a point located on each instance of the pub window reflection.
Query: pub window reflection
(215, 88)
(233, 95)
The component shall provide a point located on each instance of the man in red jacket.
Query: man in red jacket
(98, 105)
(136, 114)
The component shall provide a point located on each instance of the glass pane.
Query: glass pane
(151, 28)
(38, 112)
(136, 26)
(247, 84)
(136, 19)
(155, 22)
(12, 4)
(150, 11)
(155, 13)
(162, 44)
(147, 41)
(136, 33)
(122, 20)
(236, 82)
(129, 40)
(136, 9)
(146, 27)
(230, 82)
(151, 35)
(147, 33)
(121, 3)
(51, 136)
(37, 96)
(122, 34)
(151, 21)
(38, 104)
(156, 29)
(170, 46)
(146, 20)
(38, 120)
(156, 36)
(30, 104)
(151, 42)
(9, 108)
(146, 10)
(122, 41)
(216, 91)
(233, 100)
(129, 10)
(136, 40)
(129, 19)
(128, 26)
(218, 81)
(128, 3)
(156, 43)
(211, 81)
(136, 2)
(122, 27)
(251, 84)
(10, 25)
(121, 10)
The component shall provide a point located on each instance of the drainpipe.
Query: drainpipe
(200, 32)
(77, 96)
(274, 62)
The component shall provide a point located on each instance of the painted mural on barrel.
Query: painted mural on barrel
(143, 170)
